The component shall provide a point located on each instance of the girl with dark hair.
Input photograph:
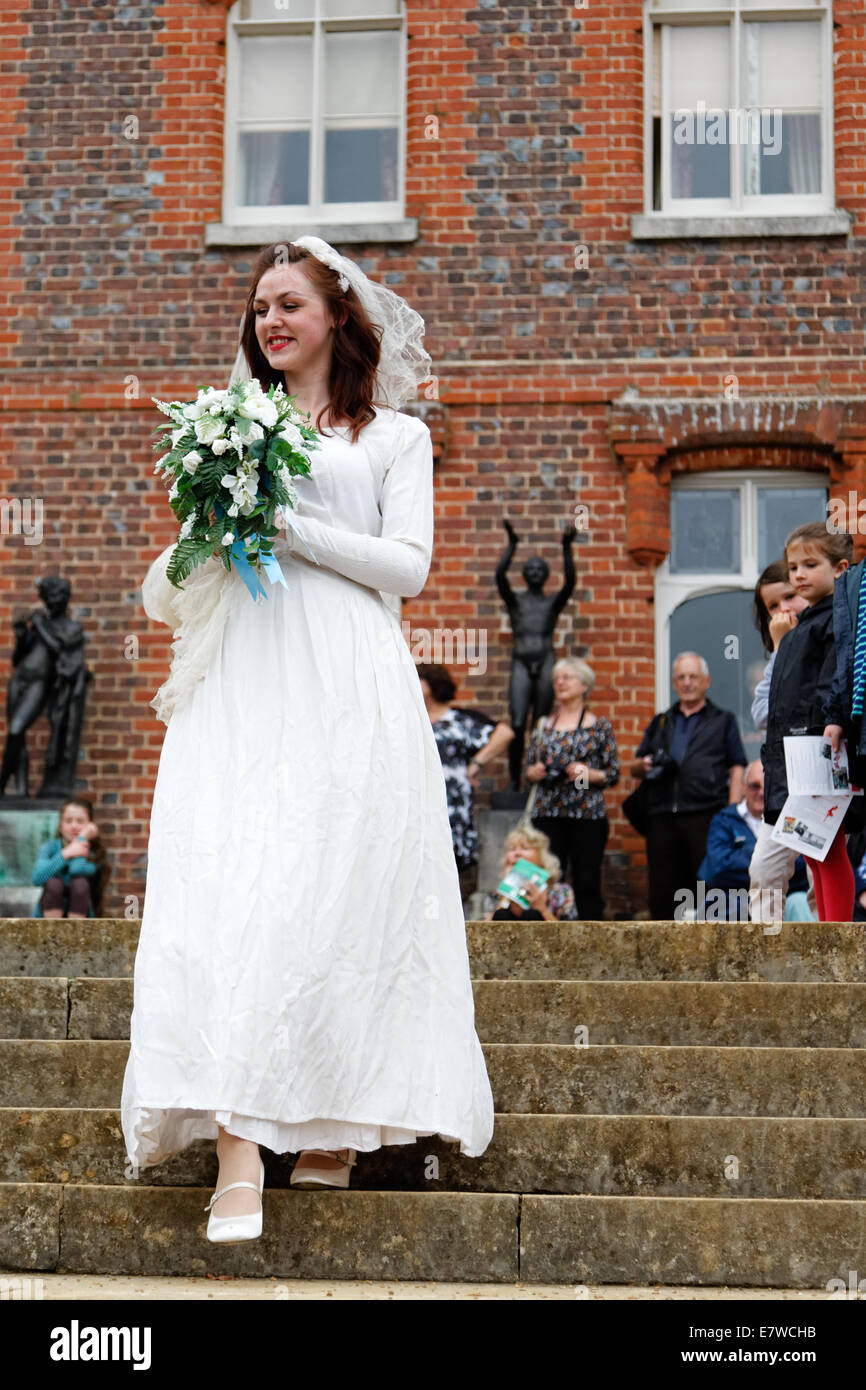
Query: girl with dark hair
(302, 978)
(777, 605)
(72, 868)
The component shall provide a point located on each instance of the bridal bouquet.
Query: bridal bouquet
(232, 455)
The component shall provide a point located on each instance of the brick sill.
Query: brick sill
(336, 233)
(654, 226)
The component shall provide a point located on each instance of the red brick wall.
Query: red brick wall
(109, 291)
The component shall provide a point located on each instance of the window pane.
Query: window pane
(700, 56)
(276, 78)
(700, 156)
(361, 117)
(705, 531)
(273, 167)
(693, 5)
(705, 625)
(360, 166)
(788, 64)
(699, 98)
(787, 158)
(338, 9)
(779, 511)
(778, 4)
(278, 9)
(362, 73)
(782, 97)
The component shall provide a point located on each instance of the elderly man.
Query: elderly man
(730, 843)
(694, 757)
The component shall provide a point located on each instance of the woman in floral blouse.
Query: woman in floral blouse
(553, 902)
(467, 741)
(572, 756)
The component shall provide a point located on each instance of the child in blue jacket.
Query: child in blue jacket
(71, 866)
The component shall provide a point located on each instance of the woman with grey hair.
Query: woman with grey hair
(572, 756)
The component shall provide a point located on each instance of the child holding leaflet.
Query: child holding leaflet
(800, 689)
(843, 710)
(777, 606)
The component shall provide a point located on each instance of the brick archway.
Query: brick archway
(655, 440)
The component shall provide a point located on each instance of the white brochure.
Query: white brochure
(813, 769)
(808, 824)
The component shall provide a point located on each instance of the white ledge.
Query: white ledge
(657, 226)
(340, 233)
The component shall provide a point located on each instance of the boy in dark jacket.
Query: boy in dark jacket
(800, 694)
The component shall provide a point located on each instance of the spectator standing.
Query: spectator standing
(694, 757)
(467, 741)
(801, 699)
(572, 757)
(777, 606)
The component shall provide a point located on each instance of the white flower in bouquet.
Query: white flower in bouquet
(243, 486)
(260, 408)
(292, 435)
(191, 461)
(209, 427)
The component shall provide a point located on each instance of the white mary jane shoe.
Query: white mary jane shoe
(324, 1177)
(230, 1230)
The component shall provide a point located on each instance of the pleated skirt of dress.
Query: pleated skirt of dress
(302, 975)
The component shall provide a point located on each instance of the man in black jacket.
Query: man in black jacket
(694, 757)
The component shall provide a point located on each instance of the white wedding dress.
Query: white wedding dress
(302, 974)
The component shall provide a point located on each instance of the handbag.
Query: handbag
(635, 808)
(525, 821)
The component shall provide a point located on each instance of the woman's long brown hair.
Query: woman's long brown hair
(356, 344)
(98, 854)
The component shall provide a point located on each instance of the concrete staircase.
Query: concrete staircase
(677, 1103)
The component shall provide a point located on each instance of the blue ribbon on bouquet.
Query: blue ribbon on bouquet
(269, 562)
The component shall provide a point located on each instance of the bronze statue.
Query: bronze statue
(49, 675)
(533, 619)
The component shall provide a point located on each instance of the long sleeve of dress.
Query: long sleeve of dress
(397, 560)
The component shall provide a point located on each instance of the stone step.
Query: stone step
(504, 950)
(484, 1237)
(669, 1013)
(103, 946)
(601, 1155)
(525, 1078)
(691, 1240)
(667, 951)
(358, 1235)
(664, 1013)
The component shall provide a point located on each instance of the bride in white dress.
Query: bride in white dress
(302, 977)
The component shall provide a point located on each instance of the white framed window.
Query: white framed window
(314, 113)
(738, 108)
(726, 528)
